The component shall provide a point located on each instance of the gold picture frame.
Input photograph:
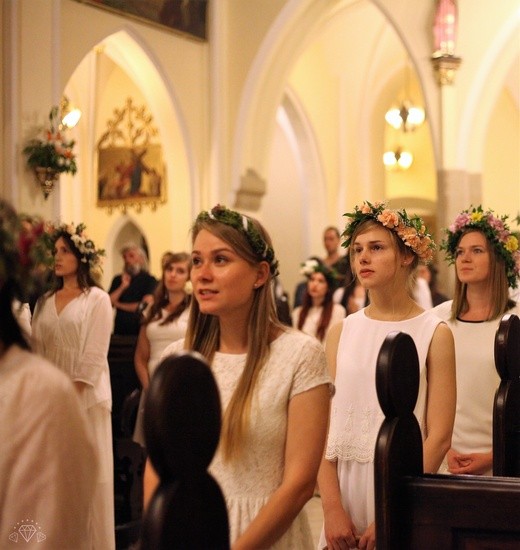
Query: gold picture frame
(131, 171)
(187, 17)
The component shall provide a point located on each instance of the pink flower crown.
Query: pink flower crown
(410, 230)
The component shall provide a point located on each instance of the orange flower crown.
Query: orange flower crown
(410, 229)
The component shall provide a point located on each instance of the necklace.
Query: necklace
(380, 316)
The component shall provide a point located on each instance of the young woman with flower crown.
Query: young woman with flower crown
(318, 312)
(273, 384)
(385, 246)
(165, 322)
(487, 262)
(72, 324)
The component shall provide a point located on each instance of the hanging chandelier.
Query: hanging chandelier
(405, 116)
(397, 159)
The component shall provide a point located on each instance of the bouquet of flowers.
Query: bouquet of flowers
(53, 151)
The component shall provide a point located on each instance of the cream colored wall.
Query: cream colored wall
(501, 163)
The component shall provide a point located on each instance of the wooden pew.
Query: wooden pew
(421, 511)
(182, 422)
(506, 411)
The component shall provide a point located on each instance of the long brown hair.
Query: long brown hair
(203, 334)
(161, 299)
(326, 310)
(498, 285)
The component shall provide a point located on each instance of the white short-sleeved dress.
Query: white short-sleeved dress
(355, 412)
(477, 382)
(296, 364)
(76, 340)
(159, 336)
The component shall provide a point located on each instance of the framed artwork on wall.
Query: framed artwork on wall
(185, 16)
(130, 165)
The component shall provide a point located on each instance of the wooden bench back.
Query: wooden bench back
(430, 512)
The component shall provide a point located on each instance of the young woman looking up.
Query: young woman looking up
(384, 247)
(273, 384)
(487, 264)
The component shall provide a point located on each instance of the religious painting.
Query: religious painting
(131, 170)
(185, 16)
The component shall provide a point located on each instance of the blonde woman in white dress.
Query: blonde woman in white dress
(71, 328)
(272, 379)
(487, 263)
(385, 247)
(165, 322)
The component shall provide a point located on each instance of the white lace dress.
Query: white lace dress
(76, 340)
(355, 412)
(296, 364)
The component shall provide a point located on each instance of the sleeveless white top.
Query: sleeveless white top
(355, 413)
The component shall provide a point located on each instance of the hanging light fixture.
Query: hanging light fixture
(405, 116)
(397, 159)
(69, 114)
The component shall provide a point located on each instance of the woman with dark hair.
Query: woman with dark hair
(71, 327)
(318, 311)
(487, 264)
(165, 321)
(272, 380)
(47, 462)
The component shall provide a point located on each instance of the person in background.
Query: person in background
(272, 380)
(429, 274)
(334, 259)
(165, 322)
(385, 247)
(131, 291)
(352, 296)
(318, 312)
(48, 462)
(487, 264)
(71, 328)
(301, 287)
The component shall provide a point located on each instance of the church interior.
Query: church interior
(275, 108)
(289, 111)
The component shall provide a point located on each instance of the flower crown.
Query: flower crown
(309, 267)
(85, 245)
(243, 224)
(19, 252)
(495, 230)
(410, 230)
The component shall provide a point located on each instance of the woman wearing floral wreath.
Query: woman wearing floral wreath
(165, 322)
(318, 312)
(487, 264)
(385, 247)
(273, 384)
(71, 328)
(47, 459)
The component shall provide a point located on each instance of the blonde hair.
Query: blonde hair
(498, 285)
(203, 334)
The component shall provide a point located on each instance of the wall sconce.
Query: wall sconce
(69, 114)
(445, 62)
(398, 159)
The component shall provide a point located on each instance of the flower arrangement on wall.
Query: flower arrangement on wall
(52, 154)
